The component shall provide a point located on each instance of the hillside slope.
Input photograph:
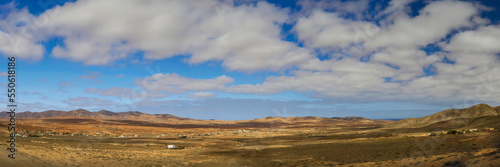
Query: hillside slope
(474, 116)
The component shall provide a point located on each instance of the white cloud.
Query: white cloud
(323, 29)
(471, 77)
(483, 40)
(244, 37)
(360, 87)
(175, 83)
(397, 44)
(321, 84)
(434, 22)
(18, 33)
(409, 61)
(199, 95)
(474, 52)
(347, 66)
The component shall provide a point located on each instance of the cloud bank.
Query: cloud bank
(345, 54)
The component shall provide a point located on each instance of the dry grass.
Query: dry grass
(290, 144)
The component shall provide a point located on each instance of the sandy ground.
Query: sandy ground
(265, 147)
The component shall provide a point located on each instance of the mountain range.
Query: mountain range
(167, 118)
(103, 114)
(477, 116)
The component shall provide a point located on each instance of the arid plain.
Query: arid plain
(83, 138)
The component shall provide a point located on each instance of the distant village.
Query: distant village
(463, 131)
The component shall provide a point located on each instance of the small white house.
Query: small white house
(473, 130)
(171, 146)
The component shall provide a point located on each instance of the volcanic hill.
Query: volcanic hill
(478, 116)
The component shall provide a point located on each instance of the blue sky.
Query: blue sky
(235, 60)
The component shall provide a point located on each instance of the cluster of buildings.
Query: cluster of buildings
(464, 131)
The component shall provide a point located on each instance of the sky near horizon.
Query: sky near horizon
(245, 59)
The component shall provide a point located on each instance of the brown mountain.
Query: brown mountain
(138, 116)
(133, 122)
(103, 114)
(476, 116)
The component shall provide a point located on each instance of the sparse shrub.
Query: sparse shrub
(454, 164)
(452, 132)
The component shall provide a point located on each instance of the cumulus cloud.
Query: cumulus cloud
(396, 45)
(177, 84)
(324, 29)
(483, 40)
(409, 62)
(357, 87)
(244, 37)
(18, 30)
(434, 22)
(321, 84)
(395, 65)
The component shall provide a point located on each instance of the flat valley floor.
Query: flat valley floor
(325, 146)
